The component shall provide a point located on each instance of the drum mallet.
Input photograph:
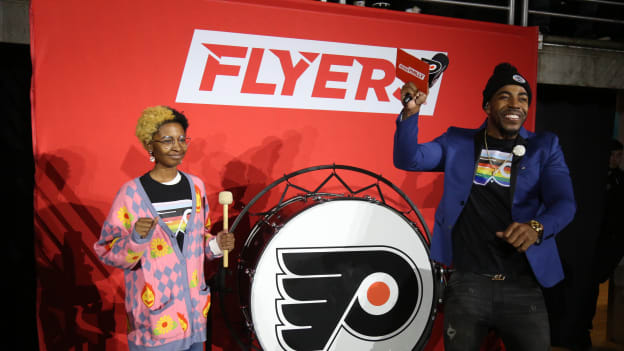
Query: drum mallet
(225, 199)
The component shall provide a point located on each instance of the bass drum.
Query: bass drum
(325, 272)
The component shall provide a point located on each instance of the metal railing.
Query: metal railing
(510, 7)
(517, 12)
(526, 11)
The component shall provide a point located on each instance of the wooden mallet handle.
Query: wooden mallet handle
(225, 199)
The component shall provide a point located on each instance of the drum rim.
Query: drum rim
(333, 167)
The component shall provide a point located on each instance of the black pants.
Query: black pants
(515, 308)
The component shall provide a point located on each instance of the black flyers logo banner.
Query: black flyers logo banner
(370, 292)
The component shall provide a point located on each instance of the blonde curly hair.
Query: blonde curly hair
(152, 118)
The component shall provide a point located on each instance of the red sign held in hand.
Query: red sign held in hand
(411, 69)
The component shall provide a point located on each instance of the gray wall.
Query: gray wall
(14, 27)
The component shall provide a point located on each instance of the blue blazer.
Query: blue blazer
(540, 184)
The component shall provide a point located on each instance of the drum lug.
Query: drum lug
(249, 325)
(250, 272)
(441, 274)
(248, 322)
(276, 226)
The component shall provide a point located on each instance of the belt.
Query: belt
(494, 276)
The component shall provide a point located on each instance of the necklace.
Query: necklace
(489, 158)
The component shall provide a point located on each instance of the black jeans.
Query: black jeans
(515, 308)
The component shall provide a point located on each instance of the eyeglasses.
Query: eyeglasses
(168, 141)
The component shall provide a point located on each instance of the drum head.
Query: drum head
(345, 274)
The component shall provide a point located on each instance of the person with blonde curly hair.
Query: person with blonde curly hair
(157, 231)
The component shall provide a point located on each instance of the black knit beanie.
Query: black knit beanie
(504, 74)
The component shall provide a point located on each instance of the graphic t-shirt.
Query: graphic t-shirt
(172, 201)
(476, 248)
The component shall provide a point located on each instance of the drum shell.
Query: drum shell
(263, 233)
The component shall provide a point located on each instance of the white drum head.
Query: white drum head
(343, 275)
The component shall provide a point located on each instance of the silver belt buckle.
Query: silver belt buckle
(498, 277)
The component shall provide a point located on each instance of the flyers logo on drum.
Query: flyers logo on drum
(225, 68)
(369, 292)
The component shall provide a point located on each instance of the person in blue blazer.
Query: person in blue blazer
(507, 193)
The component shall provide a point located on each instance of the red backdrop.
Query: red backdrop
(269, 88)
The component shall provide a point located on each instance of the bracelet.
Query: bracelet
(539, 229)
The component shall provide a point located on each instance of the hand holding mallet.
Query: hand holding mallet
(225, 199)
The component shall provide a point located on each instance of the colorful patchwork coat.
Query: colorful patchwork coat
(167, 299)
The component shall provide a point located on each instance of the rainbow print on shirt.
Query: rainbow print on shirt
(494, 166)
(175, 214)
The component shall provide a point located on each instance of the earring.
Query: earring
(152, 158)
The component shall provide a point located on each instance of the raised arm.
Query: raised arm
(408, 153)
